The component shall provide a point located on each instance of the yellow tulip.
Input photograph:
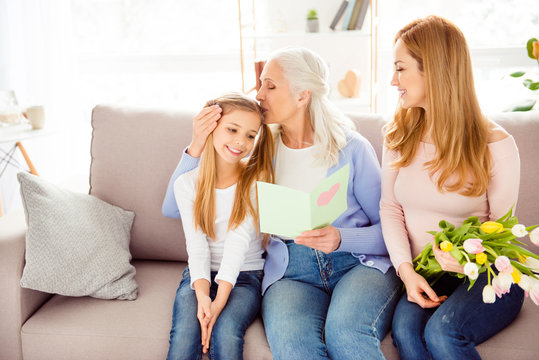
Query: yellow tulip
(446, 246)
(516, 275)
(491, 227)
(535, 47)
(481, 258)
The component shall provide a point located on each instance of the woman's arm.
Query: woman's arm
(366, 187)
(170, 205)
(418, 289)
(392, 215)
(502, 190)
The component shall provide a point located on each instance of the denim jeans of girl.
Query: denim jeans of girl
(329, 306)
(226, 340)
(452, 330)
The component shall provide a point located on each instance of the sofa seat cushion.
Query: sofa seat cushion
(89, 328)
(517, 341)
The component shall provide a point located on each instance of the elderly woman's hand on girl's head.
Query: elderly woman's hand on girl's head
(203, 124)
(326, 239)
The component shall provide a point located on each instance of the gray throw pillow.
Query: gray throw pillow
(76, 244)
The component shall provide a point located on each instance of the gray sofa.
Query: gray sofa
(133, 154)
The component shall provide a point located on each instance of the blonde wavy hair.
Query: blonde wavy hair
(454, 120)
(259, 166)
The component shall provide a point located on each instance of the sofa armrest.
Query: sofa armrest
(16, 304)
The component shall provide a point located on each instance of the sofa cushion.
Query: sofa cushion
(134, 153)
(76, 244)
(517, 341)
(88, 328)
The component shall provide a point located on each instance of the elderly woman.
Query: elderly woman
(331, 292)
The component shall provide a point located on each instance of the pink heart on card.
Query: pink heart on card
(326, 196)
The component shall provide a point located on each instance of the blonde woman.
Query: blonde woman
(219, 294)
(443, 160)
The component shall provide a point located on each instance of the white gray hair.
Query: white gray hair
(306, 70)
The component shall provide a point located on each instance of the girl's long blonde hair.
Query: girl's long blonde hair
(454, 120)
(259, 166)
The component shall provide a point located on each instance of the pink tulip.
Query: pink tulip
(473, 246)
(534, 236)
(502, 283)
(503, 264)
(534, 293)
(525, 283)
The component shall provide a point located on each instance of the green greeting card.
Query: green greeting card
(288, 212)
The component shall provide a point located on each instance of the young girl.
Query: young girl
(219, 295)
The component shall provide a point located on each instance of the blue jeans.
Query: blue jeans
(328, 306)
(452, 330)
(226, 340)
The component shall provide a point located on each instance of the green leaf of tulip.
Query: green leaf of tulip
(507, 215)
(509, 223)
(529, 47)
(456, 254)
(517, 74)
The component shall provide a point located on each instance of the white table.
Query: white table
(16, 134)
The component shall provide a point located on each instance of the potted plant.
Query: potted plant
(312, 21)
(532, 46)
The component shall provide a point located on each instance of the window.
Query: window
(156, 53)
(496, 31)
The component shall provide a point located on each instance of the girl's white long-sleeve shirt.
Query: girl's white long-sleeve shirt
(232, 251)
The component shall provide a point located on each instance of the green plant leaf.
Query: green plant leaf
(529, 47)
(471, 284)
(456, 254)
(509, 223)
(446, 225)
(517, 74)
(530, 84)
(457, 235)
(312, 15)
(524, 105)
(473, 220)
(507, 215)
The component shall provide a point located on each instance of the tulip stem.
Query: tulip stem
(490, 250)
(488, 272)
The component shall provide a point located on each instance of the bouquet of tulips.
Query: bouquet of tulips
(477, 246)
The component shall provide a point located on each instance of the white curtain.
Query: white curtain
(36, 63)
